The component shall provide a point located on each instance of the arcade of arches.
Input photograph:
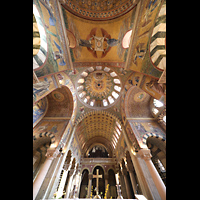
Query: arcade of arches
(99, 99)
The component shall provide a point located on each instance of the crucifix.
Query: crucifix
(97, 176)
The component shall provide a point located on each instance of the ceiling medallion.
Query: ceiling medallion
(98, 87)
(140, 96)
(98, 84)
(57, 96)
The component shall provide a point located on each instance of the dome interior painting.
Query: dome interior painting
(98, 87)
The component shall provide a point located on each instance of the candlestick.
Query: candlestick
(117, 178)
(119, 192)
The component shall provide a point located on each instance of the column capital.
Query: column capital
(145, 154)
(52, 153)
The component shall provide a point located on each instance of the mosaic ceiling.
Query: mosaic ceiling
(138, 103)
(98, 9)
(60, 103)
(98, 87)
(99, 124)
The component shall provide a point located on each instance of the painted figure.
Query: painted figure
(140, 53)
(59, 55)
(47, 5)
(41, 87)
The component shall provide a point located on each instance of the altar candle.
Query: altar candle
(117, 179)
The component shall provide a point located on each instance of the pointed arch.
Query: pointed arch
(45, 134)
(145, 137)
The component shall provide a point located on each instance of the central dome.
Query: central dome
(98, 84)
(98, 87)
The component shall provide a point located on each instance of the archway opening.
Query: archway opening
(84, 184)
(98, 151)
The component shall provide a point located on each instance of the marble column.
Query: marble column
(89, 185)
(123, 186)
(63, 180)
(146, 155)
(69, 183)
(78, 182)
(51, 154)
(132, 177)
(128, 189)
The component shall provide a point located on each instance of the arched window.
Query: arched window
(155, 111)
(98, 151)
(114, 94)
(81, 80)
(117, 88)
(164, 118)
(110, 99)
(157, 103)
(105, 103)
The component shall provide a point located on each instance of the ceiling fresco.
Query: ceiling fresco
(60, 101)
(98, 41)
(54, 56)
(98, 10)
(98, 87)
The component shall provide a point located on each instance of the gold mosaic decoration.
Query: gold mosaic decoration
(98, 87)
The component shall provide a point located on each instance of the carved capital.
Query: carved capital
(145, 154)
(52, 153)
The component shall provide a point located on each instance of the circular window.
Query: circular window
(98, 87)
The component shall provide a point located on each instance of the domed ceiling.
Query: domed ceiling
(60, 103)
(98, 9)
(98, 87)
(138, 103)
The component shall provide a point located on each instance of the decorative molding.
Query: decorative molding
(97, 13)
(63, 34)
(103, 64)
(134, 32)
